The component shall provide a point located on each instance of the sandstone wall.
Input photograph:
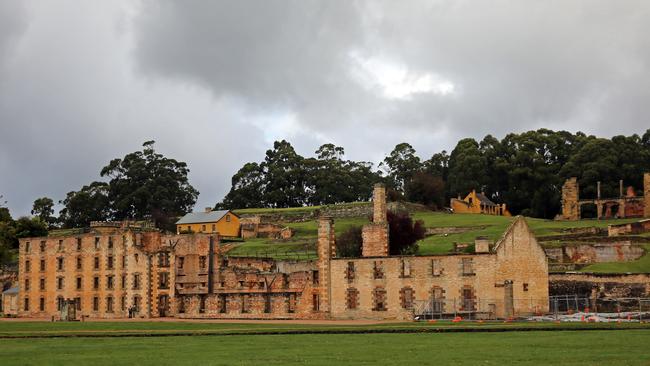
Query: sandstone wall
(570, 192)
(518, 260)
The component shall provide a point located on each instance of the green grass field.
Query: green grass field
(303, 244)
(577, 347)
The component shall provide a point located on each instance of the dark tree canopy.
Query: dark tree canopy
(91, 203)
(400, 165)
(43, 208)
(287, 179)
(523, 170)
(426, 189)
(403, 233)
(142, 185)
(348, 244)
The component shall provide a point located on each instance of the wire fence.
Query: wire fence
(555, 308)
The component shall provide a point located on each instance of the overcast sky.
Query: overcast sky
(216, 82)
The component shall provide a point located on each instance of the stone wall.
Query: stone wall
(570, 192)
(106, 272)
(621, 251)
(378, 285)
(600, 285)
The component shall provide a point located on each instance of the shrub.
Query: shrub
(348, 244)
(403, 233)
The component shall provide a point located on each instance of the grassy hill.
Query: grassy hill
(303, 244)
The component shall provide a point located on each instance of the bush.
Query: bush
(403, 233)
(348, 244)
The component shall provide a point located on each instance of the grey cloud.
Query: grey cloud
(516, 65)
(215, 82)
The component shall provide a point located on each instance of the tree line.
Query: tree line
(523, 170)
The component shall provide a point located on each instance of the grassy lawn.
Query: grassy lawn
(303, 244)
(44, 328)
(525, 348)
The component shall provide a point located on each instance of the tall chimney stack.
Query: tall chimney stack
(379, 204)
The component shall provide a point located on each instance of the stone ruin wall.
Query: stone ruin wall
(599, 285)
(570, 191)
(621, 251)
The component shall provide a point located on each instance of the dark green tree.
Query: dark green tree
(348, 244)
(91, 203)
(247, 190)
(426, 189)
(403, 233)
(467, 168)
(400, 165)
(148, 185)
(29, 227)
(43, 208)
(330, 179)
(438, 165)
(285, 176)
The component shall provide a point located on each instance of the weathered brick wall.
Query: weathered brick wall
(570, 192)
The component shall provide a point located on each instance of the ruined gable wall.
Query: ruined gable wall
(522, 260)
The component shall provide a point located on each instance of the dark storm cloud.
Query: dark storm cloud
(515, 65)
(215, 82)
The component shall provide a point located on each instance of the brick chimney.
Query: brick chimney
(208, 209)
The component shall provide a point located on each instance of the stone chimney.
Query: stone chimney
(481, 245)
(375, 234)
(379, 204)
(208, 209)
(326, 251)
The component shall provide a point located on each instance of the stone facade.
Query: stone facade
(509, 280)
(116, 270)
(105, 272)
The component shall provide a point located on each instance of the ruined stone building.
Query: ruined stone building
(113, 270)
(627, 204)
(478, 203)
